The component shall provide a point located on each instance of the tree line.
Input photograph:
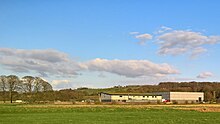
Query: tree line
(211, 89)
(34, 89)
(13, 87)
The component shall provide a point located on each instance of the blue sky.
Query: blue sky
(103, 43)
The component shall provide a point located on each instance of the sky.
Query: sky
(103, 43)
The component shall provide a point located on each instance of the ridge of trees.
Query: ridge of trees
(11, 86)
(35, 89)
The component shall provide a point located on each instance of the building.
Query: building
(129, 97)
(182, 97)
(174, 97)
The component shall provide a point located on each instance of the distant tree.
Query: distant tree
(3, 83)
(33, 85)
(13, 84)
(28, 83)
(45, 86)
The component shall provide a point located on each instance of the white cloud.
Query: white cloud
(205, 75)
(55, 63)
(131, 68)
(197, 51)
(143, 38)
(134, 33)
(163, 29)
(43, 62)
(185, 42)
(59, 84)
(48, 55)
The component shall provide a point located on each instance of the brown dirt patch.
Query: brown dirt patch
(202, 109)
(194, 107)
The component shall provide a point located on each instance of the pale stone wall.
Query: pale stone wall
(184, 96)
(104, 97)
(129, 98)
(132, 97)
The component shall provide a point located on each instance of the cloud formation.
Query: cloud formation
(204, 75)
(58, 84)
(178, 42)
(43, 62)
(131, 68)
(48, 55)
(53, 62)
(181, 42)
(163, 29)
(142, 37)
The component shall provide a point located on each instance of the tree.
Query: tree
(42, 85)
(28, 83)
(13, 84)
(35, 84)
(3, 82)
(47, 86)
(32, 86)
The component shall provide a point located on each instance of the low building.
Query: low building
(18, 101)
(129, 97)
(182, 97)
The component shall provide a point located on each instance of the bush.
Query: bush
(175, 102)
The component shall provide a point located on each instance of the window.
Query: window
(143, 96)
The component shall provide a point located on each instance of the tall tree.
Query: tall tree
(3, 82)
(28, 83)
(42, 85)
(46, 86)
(35, 84)
(13, 84)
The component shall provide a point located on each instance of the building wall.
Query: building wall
(132, 97)
(186, 96)
(179, 97)
(104, 97)
(128, 98)
(182, 97)
(165, 95)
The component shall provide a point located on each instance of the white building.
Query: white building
(129, 97)
(182, 97)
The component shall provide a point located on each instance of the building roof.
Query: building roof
(179, 92)
(132, 94)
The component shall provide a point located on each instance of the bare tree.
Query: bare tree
(46, 86)
(3, 82)
(42, 85)
(13, 83)
(35, 84)
(28, 83)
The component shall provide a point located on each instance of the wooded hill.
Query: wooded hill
(34, 89)
(211, 89)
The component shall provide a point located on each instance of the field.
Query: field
(109, 114)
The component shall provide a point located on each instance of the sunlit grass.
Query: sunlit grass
(46, 114)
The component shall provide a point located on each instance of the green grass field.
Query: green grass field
(35, 114)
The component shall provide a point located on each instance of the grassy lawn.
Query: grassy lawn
(19, 114)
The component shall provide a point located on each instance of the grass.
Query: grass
(43, 114)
